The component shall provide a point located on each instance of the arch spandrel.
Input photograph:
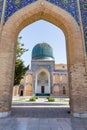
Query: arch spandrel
(13, 6)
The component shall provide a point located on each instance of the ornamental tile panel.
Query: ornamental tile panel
(70, 6)
(14, 5)
(83, 8)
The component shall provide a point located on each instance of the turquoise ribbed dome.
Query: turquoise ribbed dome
(42, 51)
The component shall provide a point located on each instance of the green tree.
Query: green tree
(20, 68)
(20, 48)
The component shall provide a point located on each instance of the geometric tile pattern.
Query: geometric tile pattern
(14, 5)
(83, 8)
(70, 6)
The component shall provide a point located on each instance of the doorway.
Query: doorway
(42, 89)
(21, 93)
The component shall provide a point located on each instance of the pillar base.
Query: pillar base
(4, 114)
(80, 115)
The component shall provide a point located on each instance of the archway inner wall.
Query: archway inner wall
(74, 46)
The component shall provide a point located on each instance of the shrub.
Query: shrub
(32, 99)
(48, 97)
(51, 99)
(36, 97)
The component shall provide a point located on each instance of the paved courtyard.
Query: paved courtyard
(41, 116)
(43, 124)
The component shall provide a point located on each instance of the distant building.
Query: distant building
(45, 78)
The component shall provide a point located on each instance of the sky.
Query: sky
(43, 31)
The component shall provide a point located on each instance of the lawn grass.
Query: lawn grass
(49, 99)
(19, 100)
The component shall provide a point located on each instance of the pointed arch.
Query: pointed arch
(74, 46)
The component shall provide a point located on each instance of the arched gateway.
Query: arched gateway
(69, 15)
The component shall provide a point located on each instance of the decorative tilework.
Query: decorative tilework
(70, 6)
(83, 7)
(14, 5)
(65, 1)
(16, 2)
(1, 7)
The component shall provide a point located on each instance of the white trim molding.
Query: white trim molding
(80, 115)
(4, 114)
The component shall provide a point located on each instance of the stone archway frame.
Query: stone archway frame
(75, 52)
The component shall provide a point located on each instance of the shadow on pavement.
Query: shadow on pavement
(40, 111)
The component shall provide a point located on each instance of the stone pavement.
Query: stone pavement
(30, 116)
(40, 110)
(43, 124)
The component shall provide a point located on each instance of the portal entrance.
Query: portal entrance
(42, 89)
(21, 90)
(42, 82)
(74, 46)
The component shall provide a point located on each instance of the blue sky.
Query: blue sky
(42, 31)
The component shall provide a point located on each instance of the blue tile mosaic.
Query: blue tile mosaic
(1, 8)
(83, 7)
(70, 6)
(14, 5)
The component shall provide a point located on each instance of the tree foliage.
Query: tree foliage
(20, 48)
(20, 68)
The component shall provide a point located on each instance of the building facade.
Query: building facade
(45, 78)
